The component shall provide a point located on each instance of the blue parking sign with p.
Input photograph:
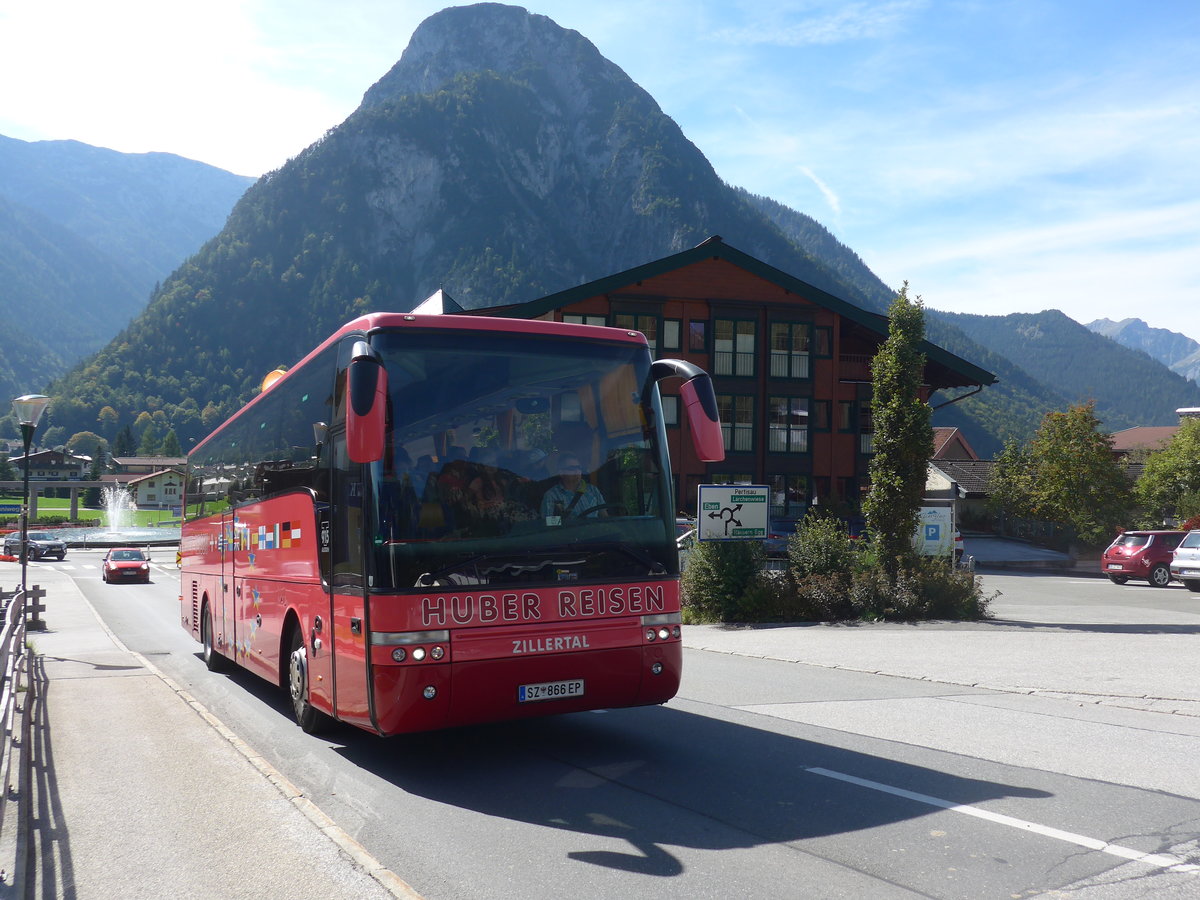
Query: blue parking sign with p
(933, 532)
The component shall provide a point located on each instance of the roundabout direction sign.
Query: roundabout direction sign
(732, 512)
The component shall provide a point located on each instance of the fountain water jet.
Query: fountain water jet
(115, 500)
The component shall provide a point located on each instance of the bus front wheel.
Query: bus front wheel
(213, 660)
(310, 719)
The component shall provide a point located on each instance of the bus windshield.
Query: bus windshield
(518, 458)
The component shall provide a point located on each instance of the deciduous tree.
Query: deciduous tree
(1170, 484)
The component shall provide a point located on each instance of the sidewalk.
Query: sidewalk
(139, 793)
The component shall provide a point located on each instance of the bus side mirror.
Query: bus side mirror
(366, 413)
(699, 403)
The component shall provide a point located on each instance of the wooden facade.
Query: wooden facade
(791, 365)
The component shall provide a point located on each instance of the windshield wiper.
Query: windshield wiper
(507, 568)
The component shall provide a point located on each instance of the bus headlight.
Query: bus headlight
(437, 653)
(399, 654)
(664, 633)
(418, 654)
(649, 634)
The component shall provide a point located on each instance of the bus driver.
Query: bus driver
(572, 496)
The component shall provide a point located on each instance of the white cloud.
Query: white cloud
(836, 23)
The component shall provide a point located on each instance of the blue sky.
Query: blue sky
(999, 155)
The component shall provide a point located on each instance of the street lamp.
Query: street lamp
(28, 409)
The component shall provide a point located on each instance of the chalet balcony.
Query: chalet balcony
(854, 367)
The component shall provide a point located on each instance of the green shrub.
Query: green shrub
(725, 582)
(821, 546)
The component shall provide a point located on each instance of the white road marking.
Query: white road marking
(1160, 860)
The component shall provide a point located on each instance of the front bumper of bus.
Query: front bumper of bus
(410, 698)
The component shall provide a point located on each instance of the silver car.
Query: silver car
(1185, 564)
(41, 543)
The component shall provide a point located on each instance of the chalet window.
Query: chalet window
(787, 430)
(733, 347)
(845, 420)
(697, 336)
(789, 495)
(672, 330)
(790, 350)
(818, 415)
(822, 342)
(737, 421)
(574, 319)
(670, 409)
(866, 428)
(646, 324)
(733, 478)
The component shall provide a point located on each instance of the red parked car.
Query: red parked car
(125, 564)
(1141, 554)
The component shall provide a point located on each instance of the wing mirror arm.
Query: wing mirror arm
(699, 404)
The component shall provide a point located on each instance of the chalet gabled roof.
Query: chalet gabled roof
(1147, 437)
(716, 248)
(974, 476)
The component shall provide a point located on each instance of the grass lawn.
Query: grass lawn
(61, 506)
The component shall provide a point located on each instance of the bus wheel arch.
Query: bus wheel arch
(214, 661)
(295, 678)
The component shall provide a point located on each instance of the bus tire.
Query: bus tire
(213, 660)
(310, 719)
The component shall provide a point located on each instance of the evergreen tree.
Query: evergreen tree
(903, 434)
(8, 471)
(170, 444)
(122, 444)
(151, 444)
(91, 497)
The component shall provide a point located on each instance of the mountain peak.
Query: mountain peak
(493, 37)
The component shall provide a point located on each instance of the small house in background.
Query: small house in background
(157, 490)
(143, 465)
(53, 465)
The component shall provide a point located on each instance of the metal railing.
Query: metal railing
(17, 699)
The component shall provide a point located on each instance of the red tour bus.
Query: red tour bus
(437, 520)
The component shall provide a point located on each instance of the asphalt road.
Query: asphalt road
(1044, 753)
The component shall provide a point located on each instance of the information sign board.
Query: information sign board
(732, 512)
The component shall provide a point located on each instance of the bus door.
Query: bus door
(337, 650)
(221, 602)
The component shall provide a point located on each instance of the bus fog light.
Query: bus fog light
(663, 634)
(399, 654)
(419, 654)
(675, 631)
(437, 653)
(430, 692)
(656, 669)
(649, 634)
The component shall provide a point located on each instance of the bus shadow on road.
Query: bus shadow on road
(713, 784)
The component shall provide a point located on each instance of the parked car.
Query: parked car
(1141, 554)
(125, 564)
(1185, 563)
(41, 544)
(778, 532)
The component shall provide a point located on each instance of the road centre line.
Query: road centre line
(1159, 860)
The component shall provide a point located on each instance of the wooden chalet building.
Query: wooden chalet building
(791, 365)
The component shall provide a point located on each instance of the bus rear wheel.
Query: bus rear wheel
(310, 719)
